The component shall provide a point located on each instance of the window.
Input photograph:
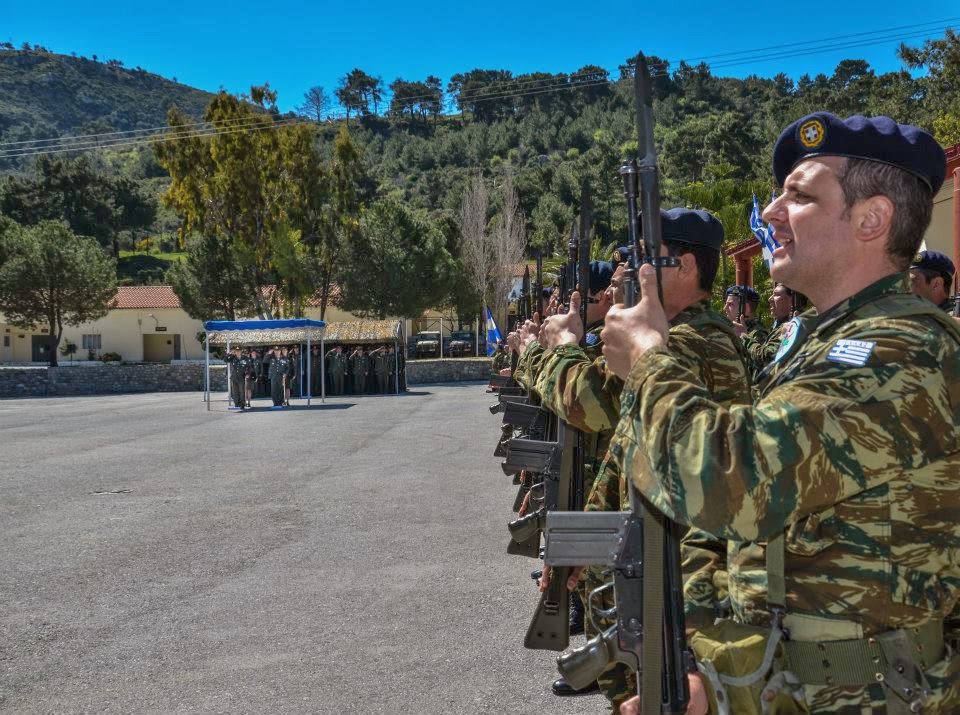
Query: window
(6, 341)
(91, 342)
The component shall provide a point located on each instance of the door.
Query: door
(40, 348)
(157, 348)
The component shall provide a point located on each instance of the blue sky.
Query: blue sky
(297, 45)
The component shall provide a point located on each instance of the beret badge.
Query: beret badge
(811, 133)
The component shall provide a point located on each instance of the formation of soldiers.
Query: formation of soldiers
(812, 466)
(280, 372)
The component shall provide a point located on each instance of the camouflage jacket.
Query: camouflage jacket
(852, 449)
(528, 366)
(705, 343)
(762, 346)
(574, 384)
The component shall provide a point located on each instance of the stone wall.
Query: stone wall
(420, 372)
(67, 380)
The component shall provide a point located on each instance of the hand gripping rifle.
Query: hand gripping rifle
(563, 483)
(648, 601)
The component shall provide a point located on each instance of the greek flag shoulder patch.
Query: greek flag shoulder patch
(851, 352)
(592, 339)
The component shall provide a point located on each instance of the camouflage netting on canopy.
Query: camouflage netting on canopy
(264, 332)
(364, 331)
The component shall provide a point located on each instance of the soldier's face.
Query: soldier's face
(780, 303)
(731, 307)
(812, 225)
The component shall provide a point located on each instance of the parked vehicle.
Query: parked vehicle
(427, 344)
(461, 343)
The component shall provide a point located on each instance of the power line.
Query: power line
(937, 23)
(127, 132)
(141, 141)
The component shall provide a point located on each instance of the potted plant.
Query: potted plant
(68, 349)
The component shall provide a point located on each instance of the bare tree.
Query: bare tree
(509, 245)
(476, 247)
(316, 104)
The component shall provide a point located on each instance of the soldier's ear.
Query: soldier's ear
(872, 218)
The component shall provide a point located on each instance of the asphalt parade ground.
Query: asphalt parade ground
(346, 558)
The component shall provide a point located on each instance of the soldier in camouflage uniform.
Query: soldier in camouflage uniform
(783, 304)
(237, 365)
(931, 276)
(381, 369)
(338, 369)
(581, 389)
(845, 465)
(740, 307)
(278, 369)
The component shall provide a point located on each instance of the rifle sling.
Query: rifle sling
(651, 662)
(776, 585)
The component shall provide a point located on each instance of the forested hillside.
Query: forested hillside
(43, 95)
(418, 143)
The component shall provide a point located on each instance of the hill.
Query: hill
(43, 95)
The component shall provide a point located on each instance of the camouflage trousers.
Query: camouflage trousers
(618, 683)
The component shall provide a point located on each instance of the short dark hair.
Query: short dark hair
(707, 258)
(912, 202)
(799, 299)
(929, 275)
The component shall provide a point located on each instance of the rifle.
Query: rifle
(739, 293)
(648, 602)
(538, 285)
(527, 294)
(956, 295)
(549, 628)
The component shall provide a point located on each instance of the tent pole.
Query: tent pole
(206, 372)
(323, 371)
(228, 376)
(441, 336)
(309, 381)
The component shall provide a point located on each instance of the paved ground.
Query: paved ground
(344, 559)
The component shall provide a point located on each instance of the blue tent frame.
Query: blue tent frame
(246, 330)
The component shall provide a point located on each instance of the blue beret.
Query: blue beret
(600, 274)
(873, 138)
(692, 226)
(623, 254)
(933, 261)
(746, 292)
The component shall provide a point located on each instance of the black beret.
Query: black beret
(600, 274)
(694, 226)
(933, 261)
(873, 138)
(746, 292)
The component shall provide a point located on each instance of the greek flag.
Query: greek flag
(851, 352)
(764, 234)
(493, 334)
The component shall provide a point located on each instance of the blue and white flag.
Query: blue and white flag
(493, 334)
(851, 352)
(764, 234)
